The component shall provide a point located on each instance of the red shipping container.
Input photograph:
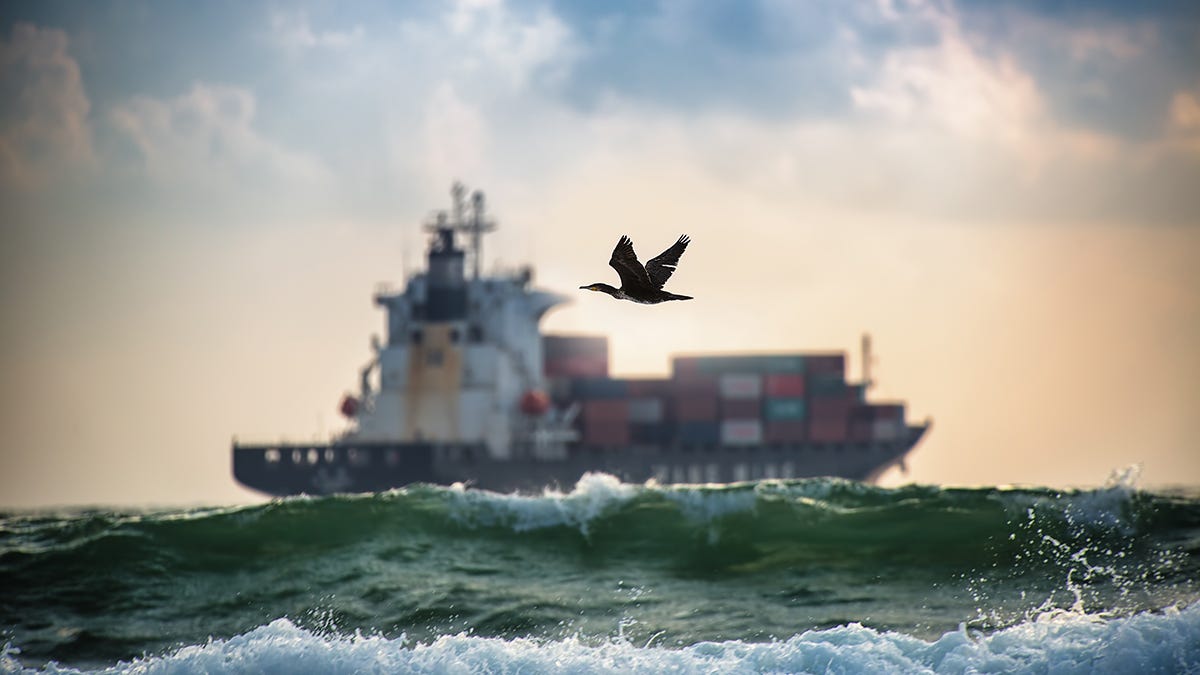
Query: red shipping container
(607, 411)
(785, 431)
(861, 430)
(649, 388)
(685, 365)
(830, 408)
(576, 366)
(827, 430)
(696, 408)
(694, 384)
(789, 385)
(606, 434)
(741, 408)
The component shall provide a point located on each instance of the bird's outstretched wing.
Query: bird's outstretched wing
(661, 267)
(625, 262)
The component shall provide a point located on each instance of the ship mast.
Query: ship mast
(866, 361)
(474, 223)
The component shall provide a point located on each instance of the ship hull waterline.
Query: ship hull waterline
(318, 469)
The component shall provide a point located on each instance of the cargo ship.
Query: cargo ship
(466, 389)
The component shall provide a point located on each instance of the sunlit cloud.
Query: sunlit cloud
(44, 129)
(208, 134)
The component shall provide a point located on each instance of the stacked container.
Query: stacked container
(726, 400)
(575, 355)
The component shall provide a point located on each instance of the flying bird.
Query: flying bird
(643, 284)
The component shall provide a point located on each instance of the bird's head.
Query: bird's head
(602, 288)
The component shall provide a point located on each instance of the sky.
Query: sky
(198, 200)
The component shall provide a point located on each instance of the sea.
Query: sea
(802, 576)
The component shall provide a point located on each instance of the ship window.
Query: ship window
(313, 456)
(475, 333)
(329, 455)
(272, 456)
(416, 337)
(392, 457)
(296, 456)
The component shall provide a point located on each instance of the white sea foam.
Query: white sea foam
(1159, 642)
(594, 495)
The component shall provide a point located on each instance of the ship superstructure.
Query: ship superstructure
(465, 388)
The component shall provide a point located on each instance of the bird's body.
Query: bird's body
(643, 284)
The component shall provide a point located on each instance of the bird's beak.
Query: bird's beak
(586, 288)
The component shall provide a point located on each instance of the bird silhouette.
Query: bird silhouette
(643, 284)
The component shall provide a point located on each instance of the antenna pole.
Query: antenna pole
(866, 361)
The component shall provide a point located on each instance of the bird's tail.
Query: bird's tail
(679, 297)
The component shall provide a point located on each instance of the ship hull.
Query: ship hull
(282, 470)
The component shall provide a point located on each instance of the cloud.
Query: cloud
(44, 129)
(294, 31)
(208, 135)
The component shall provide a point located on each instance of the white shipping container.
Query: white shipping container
(741, 432)
(645, 410)
(741, 385)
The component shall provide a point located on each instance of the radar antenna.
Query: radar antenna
(474, 223)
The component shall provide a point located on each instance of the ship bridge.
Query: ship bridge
(460, 348)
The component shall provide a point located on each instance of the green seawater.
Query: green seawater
(650, 566)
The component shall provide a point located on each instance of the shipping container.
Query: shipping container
(740, 385)
(646, 409)
(587, 388)
(861, 430)
(694, 384)
(887, 430)
(696, 407)
(826, 364)
(828, 429)
(826, 385)
(741, 408)
(615, 410)
(830, 408)
(741, 432)
(785, 409)
(575, 345)
(698, 432)
(785, 431)
(783, 385)
(610, 434)
(742, 363)
(685, 365)
(576, 366)
(651, 432)
(650, 387)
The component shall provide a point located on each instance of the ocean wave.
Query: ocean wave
(1150, 642)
